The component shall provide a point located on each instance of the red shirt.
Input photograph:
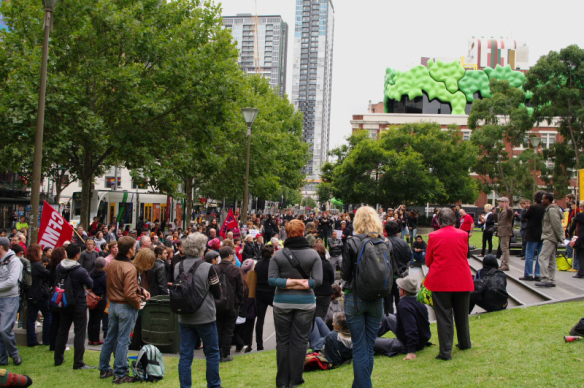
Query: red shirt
(446, 258)
(466, 223)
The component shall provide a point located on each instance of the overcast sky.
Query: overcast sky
(371, 35)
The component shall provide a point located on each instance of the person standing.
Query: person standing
(534, 217)
(489, 230)
(99, 278)
(76, 311)
(505, 231)
(525, 204)
(324, 291)
(264, 293)
(363, 316)
(552, 233)
(295, 272)
(88, 256)
(450, 280)
(577, 229)
(38, 297)
(125, 296)
(235, 293)
(199, 325)
(335, 246)
(466, 225)
(401, 255)
(10, 276)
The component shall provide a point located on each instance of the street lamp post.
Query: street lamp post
(535, 143)
(249, 114)
(38, 143)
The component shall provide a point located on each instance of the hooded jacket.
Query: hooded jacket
(79, 279)
(552, 229)
(99, 281)
(10, 274)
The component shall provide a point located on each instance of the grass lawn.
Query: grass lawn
(476, 239)
(514, 348)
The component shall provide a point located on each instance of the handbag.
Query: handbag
(425, 295)
(92, 300)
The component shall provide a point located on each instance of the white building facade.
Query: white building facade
(312, 76)
(271, 47)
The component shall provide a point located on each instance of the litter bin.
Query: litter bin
(160, 325)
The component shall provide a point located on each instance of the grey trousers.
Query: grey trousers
(447, 304)
(292, 332)
(547, 261)
(504, 241)
(8, 311)
(336, 261)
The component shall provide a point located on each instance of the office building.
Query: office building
(312, 77)
(270, 45)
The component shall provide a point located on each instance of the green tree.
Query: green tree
(308, 201)
(557, 84)
(412, 164)
(125, 77)
(500, 124)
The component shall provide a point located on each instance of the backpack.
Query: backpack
(226, 303)
(185, 296)
(26, 280)
(316, 361)
(63, 295)
(149, 365)
(373, 272)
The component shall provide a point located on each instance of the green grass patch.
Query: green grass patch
(513, 348)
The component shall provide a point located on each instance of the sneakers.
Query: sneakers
(545, 284)
(226, 359)
(124, 379)
(84, 367)
(104, 374)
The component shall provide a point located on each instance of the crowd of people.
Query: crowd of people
(286, 261)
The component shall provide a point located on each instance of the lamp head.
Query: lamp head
(249, 114)
(50, 3)
(534, 141)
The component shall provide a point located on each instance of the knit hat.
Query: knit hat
(409, 284)
(214, 244)
(247, 265)
(4, 241)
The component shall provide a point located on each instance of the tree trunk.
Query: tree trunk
(189, 191)
(85, 200)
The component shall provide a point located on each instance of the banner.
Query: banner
(580, 186)
(229, 223)
(54, 230)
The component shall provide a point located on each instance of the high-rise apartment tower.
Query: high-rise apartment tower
(312, 76)
(272, 39)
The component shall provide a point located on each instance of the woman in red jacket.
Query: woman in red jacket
(450, 281)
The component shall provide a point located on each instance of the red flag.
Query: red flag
(229, 223)
(54, 230)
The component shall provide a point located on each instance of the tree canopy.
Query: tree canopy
(412, 164)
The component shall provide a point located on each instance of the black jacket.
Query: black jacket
(413, 326)
(157, 278)
(262, 286)
(401, 254)
(79, 278)
(534, 216)
(328, 278)
(235, 279)
(251, 251)
(39, 290)
(99, 278)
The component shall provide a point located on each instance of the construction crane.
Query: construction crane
(256, 38)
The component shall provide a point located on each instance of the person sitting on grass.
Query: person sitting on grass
(336, 346)
(419, 251)
(410, 325)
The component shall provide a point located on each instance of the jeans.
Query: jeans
(319, 331)
(122, 318)
(530, 249)
(420, 257)
(487, 239)
(413, 233)
(523, 233)
(262, 303)
(78, 316)
(292, 332)
(8, 311)
(364, 318)
(189, 336)
(404, 232)
(33, 312)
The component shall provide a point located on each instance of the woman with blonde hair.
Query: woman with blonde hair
(490, 219)
(364, 316)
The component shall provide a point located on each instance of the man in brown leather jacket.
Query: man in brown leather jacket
(505, 231)
(125, 296)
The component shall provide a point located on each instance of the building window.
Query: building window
(548, 140)
(110, 182)
(466, 135)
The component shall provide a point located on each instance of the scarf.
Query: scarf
(299, 242)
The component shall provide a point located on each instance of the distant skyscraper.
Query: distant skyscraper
(273, 46)
(312, 76)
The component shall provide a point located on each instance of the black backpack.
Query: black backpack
(185, 296)
(63, 295)
(491, 288)
(226, 303)
(373, 270)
